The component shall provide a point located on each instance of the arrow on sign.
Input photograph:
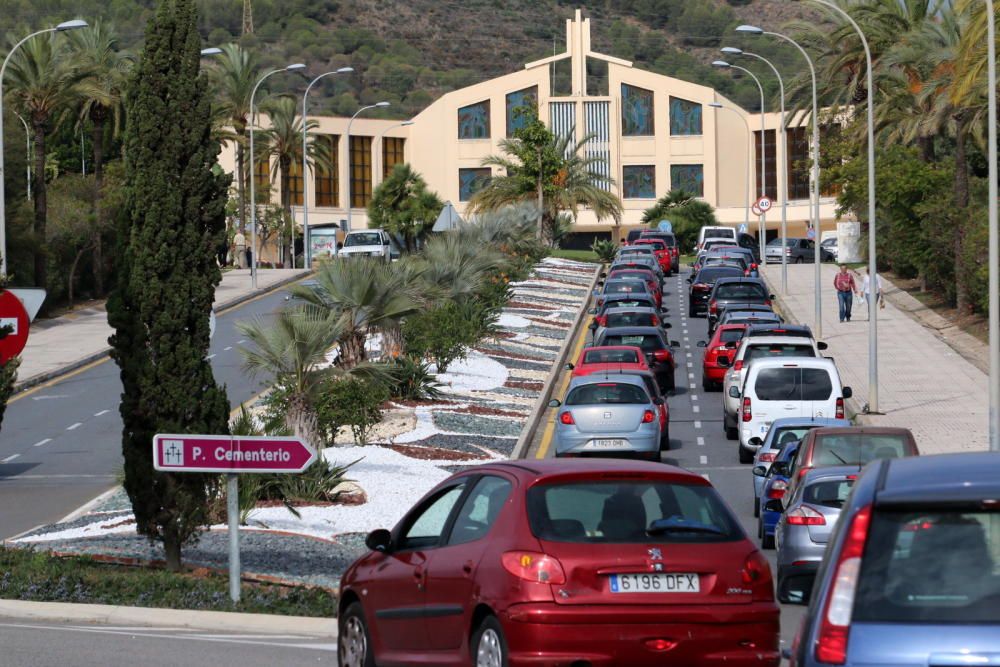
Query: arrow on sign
(231, 454)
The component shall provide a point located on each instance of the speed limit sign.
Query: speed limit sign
(764, 204)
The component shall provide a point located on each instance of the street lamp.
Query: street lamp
(994, 281)
(763, 171)
(350, 204)
(305, 186)
(754, 30)
(253, 171)
(746, 180)
(27, 150)
(783, 190)
(381, 138)
(62, 27)
(872, 268)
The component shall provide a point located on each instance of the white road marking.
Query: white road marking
(697, 424)
(211, 356)
(701, 441)
(73, 427)
(695, 408)
(228, 348)
(42, 442)
(49, 397)
(694, 386)
(691, 375)
(686, 338)
(694, 397)
(102, 412)
(10, 458)
(241, 341)
(703, 460)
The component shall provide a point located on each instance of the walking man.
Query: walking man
(843, 282)
(867, 288)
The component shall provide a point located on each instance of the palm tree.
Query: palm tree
(101, 95)
(455, 266)
(234, 75)
(43, 84)
(404, 207)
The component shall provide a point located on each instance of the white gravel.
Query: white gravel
(477, 372)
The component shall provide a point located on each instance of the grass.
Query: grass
(41, 577)
(578, 255)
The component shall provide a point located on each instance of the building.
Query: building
(654, 133)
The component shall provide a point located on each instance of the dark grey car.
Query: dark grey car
(798, 251)
(730, 292)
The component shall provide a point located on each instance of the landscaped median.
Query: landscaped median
(484, 401)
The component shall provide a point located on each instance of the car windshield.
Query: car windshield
(648, 342)
(610, 357)
(365, 238)
(857, 448)
(719, 233)
(710, 275)
(632, 512)
(828, 492)
(741, 291)
(630, 301)
(632, 319)
(766, 350)
(793, 384)
(604, 393)
(624, 287)
(936, 566)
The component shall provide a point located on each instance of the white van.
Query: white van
(724, 233)
(367, 243)
(791, 387)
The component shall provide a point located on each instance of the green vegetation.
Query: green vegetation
(403, 206)
(37, 576)
(687, 213)
(578, 255)
(605, 250)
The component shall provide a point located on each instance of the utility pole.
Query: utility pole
(247, 18)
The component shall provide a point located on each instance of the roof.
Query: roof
(625, 331)
(777, 340)
(794, 362)
(863, 430)
(624, 378)
(785, 329)
(632, 309)
(942, 478)
(745, 279)
(615, 468)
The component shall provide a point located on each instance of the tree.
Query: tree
(687, 213)
(404, 207)
(173, 218)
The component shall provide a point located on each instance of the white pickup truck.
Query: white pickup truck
(367, 243)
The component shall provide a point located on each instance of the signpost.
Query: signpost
(14, 318)
(232, 455)
(764, 204)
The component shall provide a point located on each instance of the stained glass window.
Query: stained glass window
(392, 153)
(471, 181)
(361, 171)
(770, 163)
(685, 117)
(639, 182)
(295, 183)
(637, 111)
(474, 121)
(327, 176)
(688, 177)
(520, 98)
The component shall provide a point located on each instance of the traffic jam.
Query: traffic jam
(807, 540)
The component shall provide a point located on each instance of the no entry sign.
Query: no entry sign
(231, 454)
(13, 316)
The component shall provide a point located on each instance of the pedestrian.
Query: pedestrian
(844, 283)
(240, 252)
(866, 289)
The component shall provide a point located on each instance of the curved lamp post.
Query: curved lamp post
(27, 150)
(62, 27)
(350, 204)
(994, 282)
(746, 180)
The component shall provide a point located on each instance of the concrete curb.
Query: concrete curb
(541, 404)
(219, 621)
(41, 378)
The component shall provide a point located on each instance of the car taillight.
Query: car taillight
(805, 516)
(661, 355)
(713, 306)
(777, 489)
(566, 418)
(602, 320)
(648, 417)
(835, 623)
(767, 457)
(840, 408)
(655, 321)
(738, 366)
(756, 573)
(747, 415)
(767, 302)
(700, 287)
(535, 567)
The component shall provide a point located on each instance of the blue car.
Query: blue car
(775, 484)
(911, 573)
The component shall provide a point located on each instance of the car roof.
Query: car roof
(625, 331)
(614, 469)
(864, 430)
(734, 280)
(742, 310)
(807, 421)
(779, 330)
(803, 362)
(631, 309)
(773, 340)
(626, 378)
(969, 476)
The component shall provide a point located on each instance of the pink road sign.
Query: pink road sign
(236, 453)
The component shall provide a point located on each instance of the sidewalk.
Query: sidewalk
(62, 344)
(924, 384)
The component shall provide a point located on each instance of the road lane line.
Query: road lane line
(694, 397)
(697, 424)
(73, 427)
(703, 460)
(228, 348)
(211, 356)
(102, 412)
(550, 427)
(701, 441)
(693, 386)
(241, 341)
(10, 458)
(42, 442)
(695, 408)
(691, 375)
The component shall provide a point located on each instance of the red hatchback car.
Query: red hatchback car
(662, 252)
(562, 563)
(722, 347)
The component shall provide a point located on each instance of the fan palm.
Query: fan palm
(456, 266)
(234, 76)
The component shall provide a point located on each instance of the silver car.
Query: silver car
(610, 415)
(805, 526)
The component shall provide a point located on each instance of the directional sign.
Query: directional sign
(764, 204)
(14, 317)
(231, 454)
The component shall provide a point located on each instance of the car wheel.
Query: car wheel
(756, 508)
(489, 648)
(745, 456)
(706, 385)
(732, 433)
(766, 541)
(354, 642)
(665, 440)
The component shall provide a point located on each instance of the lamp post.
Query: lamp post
(994, 280)
(350, 204)
(62, 27)
(746, 180)
(872, 268)
(27, 150)
(378, 142)
(763, 170)
(754, 30)
(253, 170)
(305, 185)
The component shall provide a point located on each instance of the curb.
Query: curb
(220, 621)
(541, 404)
(41, 378)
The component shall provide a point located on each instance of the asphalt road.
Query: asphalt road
(61, 444)
(697, 439)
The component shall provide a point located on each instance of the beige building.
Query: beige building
(652, 132)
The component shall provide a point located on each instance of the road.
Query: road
(61, 443)
(697, 440)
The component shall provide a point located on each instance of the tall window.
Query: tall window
(770, 164)
(637, 111)
(685, 117)
(688, 177)
(471, 181)
(527, 97)
(392, 153)
(474, 121)
(639, 182)
(295, 183)
(262, 179)
(361, 171)
(328, 176)
(799, 163)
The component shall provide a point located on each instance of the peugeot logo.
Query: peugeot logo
(655, 554)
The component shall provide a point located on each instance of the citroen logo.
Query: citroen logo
(655, 554)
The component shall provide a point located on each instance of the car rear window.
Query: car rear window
(632, 300)
(742, 291)
(610, 357)
(669, 239)
(710, 274)
(652, 243)
(624, 287)
(935, 566)
(648, 342)
(848, 449)
(783, 436)
(731, 335)
(629, 512)
(634, 234)
(793, 384)
(828, 492)
(765, 351)
(632, 320)
(709, 261)
(607, 393)
(718, 232)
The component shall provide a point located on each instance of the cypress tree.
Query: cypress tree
(172, 221)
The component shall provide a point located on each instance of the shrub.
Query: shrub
(350, 402)
(444, 333)
(605, 250)
(412, 380)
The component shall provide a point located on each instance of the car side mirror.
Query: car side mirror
(340, 245)
(379, 540)
(603, 274)
(667, 325)
(702, 343)
(770, 296)
(554, 403)
(774, 505)
(674, 343)
(723, 361)
(691, 264)
(821, 345)
(848, 392)
(690, 279)
(569, 367)
(734, 392)
(759, 471)
(755, 442)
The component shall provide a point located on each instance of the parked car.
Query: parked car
(661, 250)
(749, 315)
(671, 241)
(830, 245)
(774, 487)
(622, 301)
(719, 353)
(638, 262)
(715, 232)
(367, 243)
(796, 250)
(702, 284)
(628, 286)
(910, 575)
(654, 344)
(630, 317)
(728, 292)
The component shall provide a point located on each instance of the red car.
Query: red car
(723, 344)
(618, 359)
(566, 562)
(671, 241)
(662, 252)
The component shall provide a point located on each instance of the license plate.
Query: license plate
(607, 443)
(631, 340)
(628, 304)
(660, 582)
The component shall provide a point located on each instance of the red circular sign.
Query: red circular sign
(12, 314)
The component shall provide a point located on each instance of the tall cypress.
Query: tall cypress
(172, 222)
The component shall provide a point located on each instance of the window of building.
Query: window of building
(327, 175)
(637, 111)
(295, 183)
(361, 171)
(688, 177)
(770, 163)
(799, 162)
(518, 100)
(598, 83)
(262, 179)
(471, 181)
(392, 153)
(561, 78)
(639, 181)
(474, 121)
(685, 117)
